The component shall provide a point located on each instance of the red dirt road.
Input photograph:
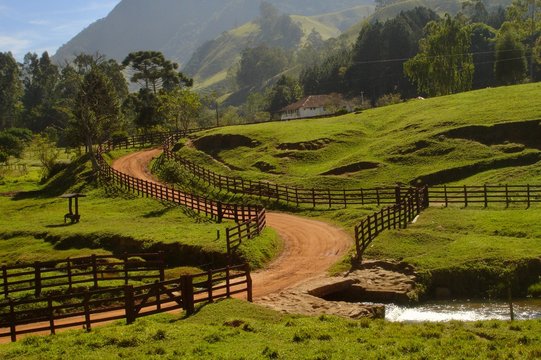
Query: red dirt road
(310, 247)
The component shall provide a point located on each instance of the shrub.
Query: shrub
(535, 290)
(388, 99)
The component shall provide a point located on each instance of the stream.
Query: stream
(463, 311)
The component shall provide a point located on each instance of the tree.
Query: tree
(444, 64)
(286, 91)
(153, 72)
(510, 66)
(482, 48)
(12, 142)
(180, 107)
(96, 111)
(10, 90)
(40, 79)
(46, 152)
(525, 15)
(260, 64)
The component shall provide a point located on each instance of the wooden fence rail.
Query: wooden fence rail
(84, 309)
(243, 215)
(396, 216)
(74, 272)
(486, 194)
(291, 195)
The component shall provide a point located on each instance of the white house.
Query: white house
(314, 106)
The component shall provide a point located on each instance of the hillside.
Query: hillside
(177, 28)
(438, 140)
(211, 61)
(441, 7)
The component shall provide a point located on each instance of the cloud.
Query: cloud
(39, 22)
(14, 44)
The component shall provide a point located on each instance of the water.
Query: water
(463, 311)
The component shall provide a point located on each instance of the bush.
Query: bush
(535, 290)
(388, 99)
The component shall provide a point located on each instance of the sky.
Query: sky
(45, 25)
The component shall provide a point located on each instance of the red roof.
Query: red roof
(312, 101)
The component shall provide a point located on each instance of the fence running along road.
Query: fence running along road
(80, 271)
(86, 308)
(250, 219)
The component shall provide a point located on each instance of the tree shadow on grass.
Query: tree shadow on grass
(75, 177)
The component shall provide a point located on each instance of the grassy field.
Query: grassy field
(236, 330)
(111, 221)
(474, 252)
(399, 143)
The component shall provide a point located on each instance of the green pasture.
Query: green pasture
(111, 221)
(237, 330)
(402, 142)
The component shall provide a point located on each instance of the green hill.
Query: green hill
(437, 140)
(211, 61)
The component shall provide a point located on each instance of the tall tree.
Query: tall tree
(96, 110)
(40, 79)
(286, 91)
(10, 90)
(510, 66)
(153, 72)
(180, 107)
(525, 15)
(260, 64)
(444, 64)
(482, 48)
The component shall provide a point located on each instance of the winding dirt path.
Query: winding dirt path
(310, 247)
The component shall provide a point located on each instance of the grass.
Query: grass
(472, 251)
(444, 237)
(407, 141)
(236, 330)
(111, 221)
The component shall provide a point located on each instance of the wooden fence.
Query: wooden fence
(244, 215)
(486, 194)
(128, 302)
(74, 272)
(290, 195)
(396, 216)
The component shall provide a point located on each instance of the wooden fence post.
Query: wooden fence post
(51, 314)
(95, 270)
(70, 277)
(485, 195)
(507, 195)
(88, 323)
(158, 298)
(397, 194)
(161, 256)
(129, 304)
(248, 283)
(220, 212)
(187, 294)
(126, 276)
(37, 278)
(209, 286)
(445, 194)
(227, 282)
(465, 196)
(12, 321)
(5, 279)
(527, 195)
(314, 197)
